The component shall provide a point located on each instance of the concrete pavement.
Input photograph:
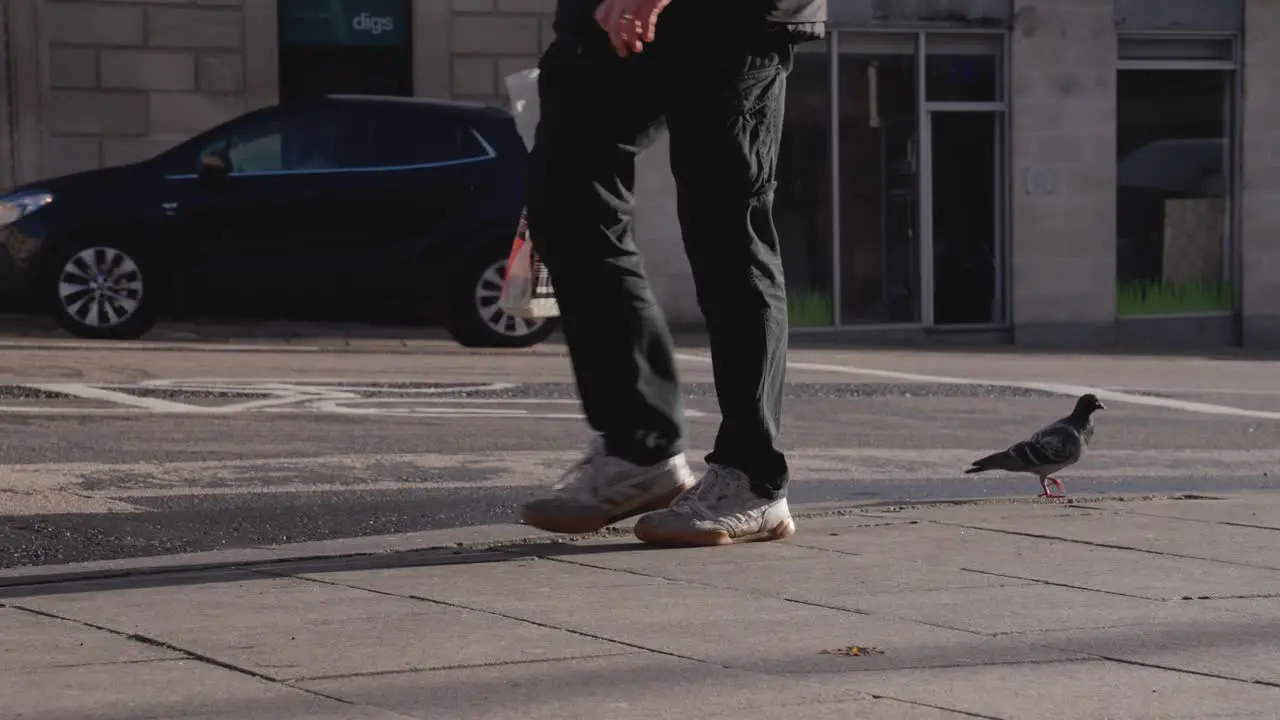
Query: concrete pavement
(1155, 608)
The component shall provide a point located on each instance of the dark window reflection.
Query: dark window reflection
(962, 78)
(879, 162)
(966, 200)
(1173, 191)
(802, 210)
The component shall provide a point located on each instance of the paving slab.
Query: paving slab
(518, 578)
(1238, 645)
(756, 632)
(980, 619)
(1024, 608)
(995, 508)
(1094, 690)
(400, 542)
(1126, 572)
(641, 686)
(30, 641)
(809, 575)
(288, 628)
(1227, 543)
(1260, 509)
(921, 542)
(189, 690)
(213, 600)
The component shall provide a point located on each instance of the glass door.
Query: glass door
(803, 202)
(963, 180)
(967, 212)
(877, 179)
(919, 186)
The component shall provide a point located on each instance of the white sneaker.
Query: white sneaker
(720, 510)
(601, 490)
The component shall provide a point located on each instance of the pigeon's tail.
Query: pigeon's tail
(1003, 460)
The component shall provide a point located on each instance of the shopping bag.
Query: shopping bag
(522, 90)
(526, 288)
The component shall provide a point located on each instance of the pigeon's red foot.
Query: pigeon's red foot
(1044, 484)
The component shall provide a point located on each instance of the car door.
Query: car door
(416, 187)
(267, 230)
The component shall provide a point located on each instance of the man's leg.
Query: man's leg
(725, 130)
(598, 112)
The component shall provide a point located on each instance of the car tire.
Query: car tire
(474, 318)
(104, 291)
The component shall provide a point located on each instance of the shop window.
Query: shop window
(880, 163)
(964, 84)
(1174, 178)
(802, 205)
(964, 68)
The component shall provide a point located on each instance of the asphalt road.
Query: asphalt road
(110, 451)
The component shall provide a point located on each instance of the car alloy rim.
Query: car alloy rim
(100, 287)
(488, 292)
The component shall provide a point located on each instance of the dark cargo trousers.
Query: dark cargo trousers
(723, 110)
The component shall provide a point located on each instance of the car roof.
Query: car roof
(434, 104)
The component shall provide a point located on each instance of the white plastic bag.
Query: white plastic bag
(522, 89)
(526, 288)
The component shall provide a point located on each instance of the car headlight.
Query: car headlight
(15, 207)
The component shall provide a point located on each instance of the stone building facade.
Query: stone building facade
(104, 83)
(90, 83)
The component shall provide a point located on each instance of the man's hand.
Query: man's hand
(630, 23)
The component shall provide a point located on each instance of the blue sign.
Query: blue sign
(343, 22)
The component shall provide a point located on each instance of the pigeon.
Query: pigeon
(1052, 448)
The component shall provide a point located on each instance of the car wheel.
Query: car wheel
(476, 319)
(103, 291)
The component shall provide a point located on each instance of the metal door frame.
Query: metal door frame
(924, 175)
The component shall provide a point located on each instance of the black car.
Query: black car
(324, 204)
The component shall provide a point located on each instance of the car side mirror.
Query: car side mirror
(214, 166)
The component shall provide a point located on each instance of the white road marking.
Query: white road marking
(1056, 388)
(34, 410)
(90, 392)
(312, 396)
(125, 346)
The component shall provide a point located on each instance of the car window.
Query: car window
(420, 138)
(261, 151)
(317, 139)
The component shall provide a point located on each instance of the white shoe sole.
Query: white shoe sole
(650, 533)
(573, 524)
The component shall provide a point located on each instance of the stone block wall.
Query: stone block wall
(6, 107)
(126, 80)
(1260, 209)
(492, 39)
(1063, 109)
